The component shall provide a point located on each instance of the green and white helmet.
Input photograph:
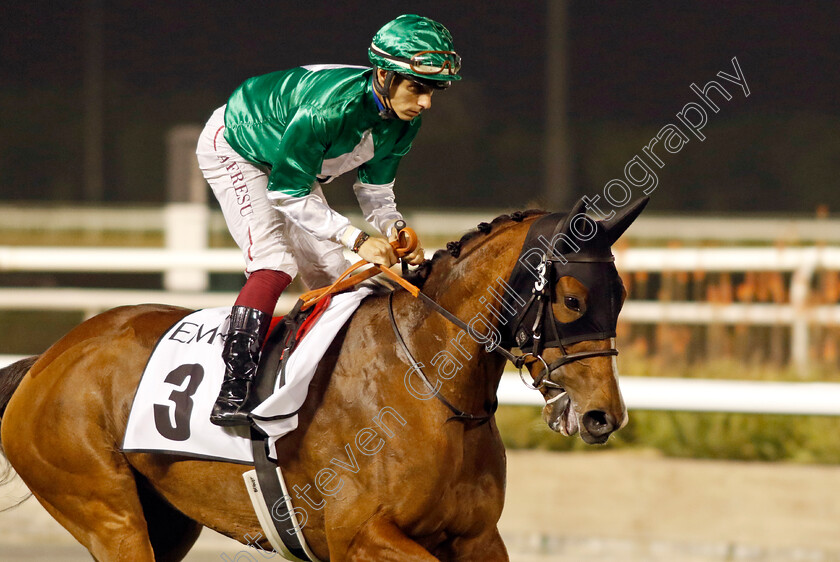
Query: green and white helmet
(418, 48)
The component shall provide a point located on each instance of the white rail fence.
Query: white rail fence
(186, 263)
(688, 395)
(640, 392)
(186, 271)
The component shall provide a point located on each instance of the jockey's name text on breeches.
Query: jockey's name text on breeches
(243, 198)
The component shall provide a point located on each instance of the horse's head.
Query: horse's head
(568, 296)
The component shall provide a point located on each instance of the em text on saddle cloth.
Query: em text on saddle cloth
(171, 409)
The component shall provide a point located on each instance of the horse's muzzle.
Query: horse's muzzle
(597, 426)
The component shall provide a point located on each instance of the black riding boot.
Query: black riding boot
(248, 328)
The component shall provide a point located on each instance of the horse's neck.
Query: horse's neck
(470, 287)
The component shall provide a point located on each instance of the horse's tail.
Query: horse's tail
(10, 378)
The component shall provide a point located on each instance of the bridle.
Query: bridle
(527, 328)
(541, 298)
(534, 328)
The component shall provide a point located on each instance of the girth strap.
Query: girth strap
(274, 496)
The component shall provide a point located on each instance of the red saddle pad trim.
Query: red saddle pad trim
(310, 321)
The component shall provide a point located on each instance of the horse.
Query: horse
(408, 477)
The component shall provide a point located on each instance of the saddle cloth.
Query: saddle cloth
(171, 409)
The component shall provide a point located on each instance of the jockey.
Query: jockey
(280, 136)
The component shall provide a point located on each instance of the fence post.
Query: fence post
(186, 216)
(800, 285)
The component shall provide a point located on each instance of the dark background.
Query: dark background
(482, 144)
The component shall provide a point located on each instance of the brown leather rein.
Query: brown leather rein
(406, 243)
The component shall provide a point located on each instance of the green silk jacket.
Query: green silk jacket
(315, 123)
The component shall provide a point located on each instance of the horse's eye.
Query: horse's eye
(572, 303)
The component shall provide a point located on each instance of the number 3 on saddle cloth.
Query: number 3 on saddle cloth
(171, 409)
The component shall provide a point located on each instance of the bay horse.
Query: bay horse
(408, 480)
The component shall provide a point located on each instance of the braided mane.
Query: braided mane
(453, 249)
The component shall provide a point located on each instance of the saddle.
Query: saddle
(285, 334)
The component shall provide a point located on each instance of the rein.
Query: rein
(526, 337)
(457, 414)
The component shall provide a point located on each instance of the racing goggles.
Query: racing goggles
(427, 63)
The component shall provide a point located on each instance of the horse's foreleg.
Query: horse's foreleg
(380, 540)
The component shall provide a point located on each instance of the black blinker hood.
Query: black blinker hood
(579, 252)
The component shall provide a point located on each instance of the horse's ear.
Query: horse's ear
(616, 226)
(563, 226)
(580, 207)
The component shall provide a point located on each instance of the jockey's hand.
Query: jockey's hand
(414, 258)
(378, 251)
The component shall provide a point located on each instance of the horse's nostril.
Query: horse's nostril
(598, 422)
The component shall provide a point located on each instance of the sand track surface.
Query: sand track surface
(592, 506)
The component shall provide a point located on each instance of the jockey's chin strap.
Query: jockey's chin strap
(386, 111)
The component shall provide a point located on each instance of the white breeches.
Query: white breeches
(267, 239)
